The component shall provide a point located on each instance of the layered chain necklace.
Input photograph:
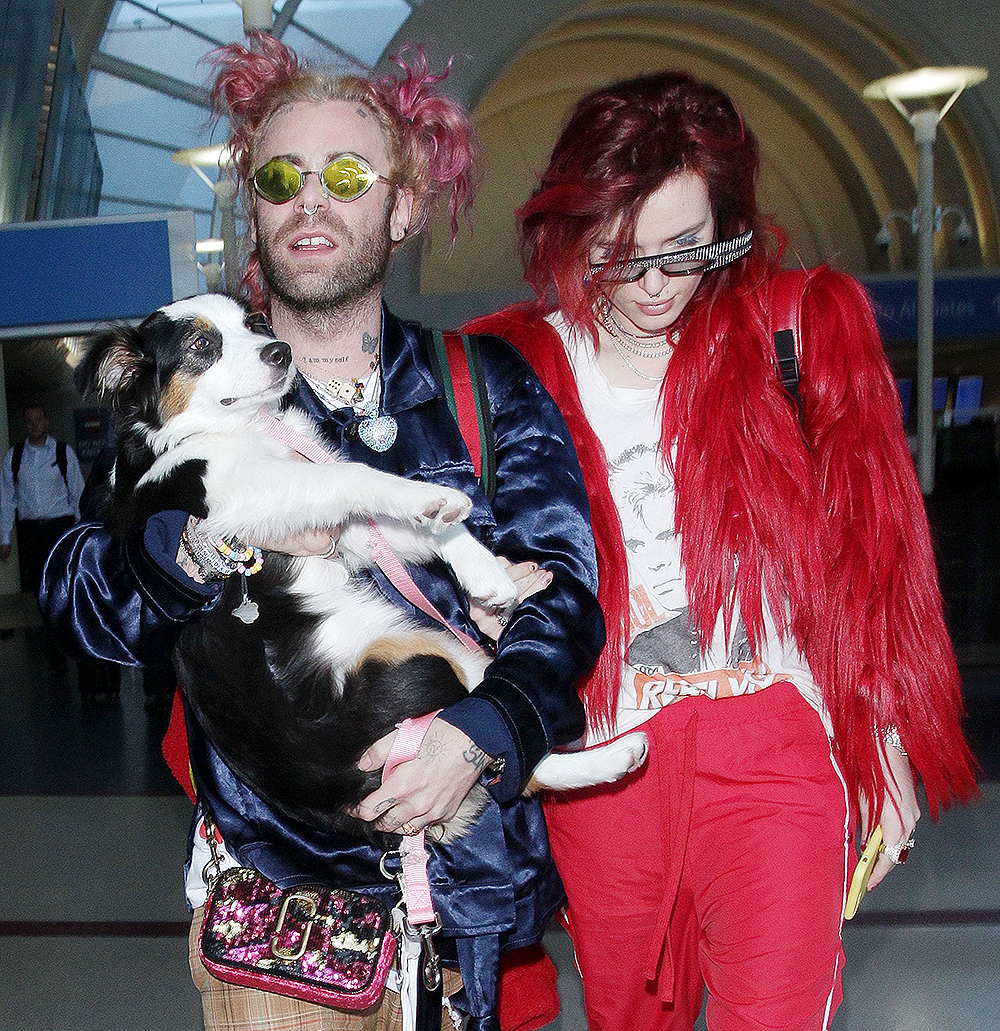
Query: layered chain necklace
(375, 431)
(651, 346)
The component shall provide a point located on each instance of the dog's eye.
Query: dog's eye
(200, 343)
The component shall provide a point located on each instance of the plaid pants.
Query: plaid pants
(230, 1007)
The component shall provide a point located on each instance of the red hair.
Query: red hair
(821, 519)
(619, 146)
(431, 141)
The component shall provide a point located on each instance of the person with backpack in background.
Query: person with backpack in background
(40, 489)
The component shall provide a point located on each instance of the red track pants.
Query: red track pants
(722, 863)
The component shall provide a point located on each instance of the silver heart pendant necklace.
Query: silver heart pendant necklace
(377, 432)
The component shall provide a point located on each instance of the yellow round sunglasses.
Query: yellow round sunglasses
(345, 178)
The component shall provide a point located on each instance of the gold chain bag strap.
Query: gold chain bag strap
(325, 945)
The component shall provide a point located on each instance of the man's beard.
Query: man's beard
(361, 266)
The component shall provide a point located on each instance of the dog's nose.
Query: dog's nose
(277, 353)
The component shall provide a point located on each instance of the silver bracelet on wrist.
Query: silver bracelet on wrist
(210, 563)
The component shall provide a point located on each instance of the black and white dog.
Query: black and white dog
(293, 699)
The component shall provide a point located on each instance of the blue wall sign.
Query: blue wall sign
(69, 276)
(965, 306)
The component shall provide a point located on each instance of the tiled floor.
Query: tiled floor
(92, 919)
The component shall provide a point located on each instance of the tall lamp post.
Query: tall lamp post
(924, 84)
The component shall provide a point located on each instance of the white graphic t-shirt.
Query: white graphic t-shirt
(664, 660)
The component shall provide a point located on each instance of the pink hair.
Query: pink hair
(431, 141)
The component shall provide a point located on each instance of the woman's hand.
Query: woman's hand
(529, 579)
(900, 809)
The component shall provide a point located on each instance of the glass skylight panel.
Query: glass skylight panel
(169, 48)
(136, 110)
(161, 44)
(361, 27)
(146, 176)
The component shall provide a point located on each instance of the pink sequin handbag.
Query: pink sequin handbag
(324, 945)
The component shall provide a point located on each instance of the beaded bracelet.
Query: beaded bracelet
(220, 559)
(247, 559)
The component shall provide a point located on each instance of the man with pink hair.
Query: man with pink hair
(336, 173)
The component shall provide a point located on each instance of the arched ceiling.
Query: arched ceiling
(833, 164)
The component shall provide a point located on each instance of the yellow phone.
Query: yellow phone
(859, 883)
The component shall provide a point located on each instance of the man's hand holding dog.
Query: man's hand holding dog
(308, 544)
(429, 788)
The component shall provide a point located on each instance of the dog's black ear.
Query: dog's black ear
(111, 361)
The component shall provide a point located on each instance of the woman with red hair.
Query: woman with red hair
(774, 620)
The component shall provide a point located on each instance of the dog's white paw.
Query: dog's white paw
(490, 585)
(628, 753)
(482, 577)
(566, 771)
(436, 508)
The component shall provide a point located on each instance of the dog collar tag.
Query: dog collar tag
(247, 611)
(379, 434)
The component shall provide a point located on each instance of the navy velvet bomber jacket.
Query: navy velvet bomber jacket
(127, 601)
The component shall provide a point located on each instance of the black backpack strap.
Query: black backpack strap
(15, 459)
(785, 312)
(788, 364)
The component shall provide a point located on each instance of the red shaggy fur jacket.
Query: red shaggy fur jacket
(822, 516)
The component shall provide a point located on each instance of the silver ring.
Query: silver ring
(307, 211)
(897, 854)
(331, 551)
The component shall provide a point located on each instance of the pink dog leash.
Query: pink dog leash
(395, 572)
(385, 558)
(305, 446)
(412, 851)
(416, 919)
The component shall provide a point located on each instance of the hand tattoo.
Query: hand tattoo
(476, 757)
